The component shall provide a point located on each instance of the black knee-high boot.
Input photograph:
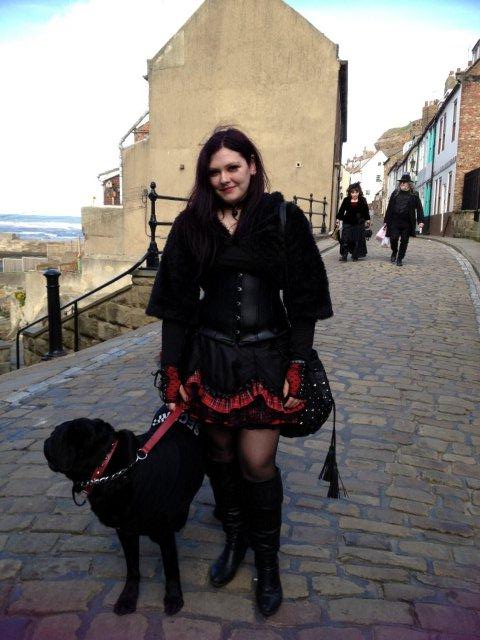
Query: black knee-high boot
(264, 500)
(226, 482)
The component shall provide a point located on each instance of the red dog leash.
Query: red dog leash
(159, 433)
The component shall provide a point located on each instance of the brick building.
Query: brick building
(111, 186)
(468, 155)
(447, 150)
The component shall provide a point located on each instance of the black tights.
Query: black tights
(255, 449)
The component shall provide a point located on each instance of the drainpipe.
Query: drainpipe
(427, 230)
(120, 148)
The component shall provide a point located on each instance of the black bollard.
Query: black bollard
(55, 342)
(324, 214)
(152, 257)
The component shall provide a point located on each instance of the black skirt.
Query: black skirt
(239, 386)
(353, 240)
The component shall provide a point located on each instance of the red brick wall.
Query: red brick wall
(468, 155)
(141, 132)
(111, 194)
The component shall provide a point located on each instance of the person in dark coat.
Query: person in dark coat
(404, 211)
(353, 214)
(237, 356)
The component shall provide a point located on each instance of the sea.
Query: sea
(41, 226)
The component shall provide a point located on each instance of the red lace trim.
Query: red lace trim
(226, 404)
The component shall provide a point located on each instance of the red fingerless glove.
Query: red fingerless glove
(170, 383)
(295, 377)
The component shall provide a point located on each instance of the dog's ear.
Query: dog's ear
(97, 434)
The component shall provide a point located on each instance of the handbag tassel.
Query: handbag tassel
(329, 471)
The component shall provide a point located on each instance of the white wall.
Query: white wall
(372, 175)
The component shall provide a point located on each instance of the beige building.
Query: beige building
(255, 64)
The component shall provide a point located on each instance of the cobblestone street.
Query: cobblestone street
(398, 560)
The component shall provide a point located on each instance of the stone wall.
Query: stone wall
(464, 225)
(107, 317)
(5, 356)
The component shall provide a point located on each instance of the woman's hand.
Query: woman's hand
(183, 394)
(291, 403)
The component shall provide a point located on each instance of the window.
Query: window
(421, 155)
(454, 122)
(441, 133)
(379, 164)
(367, 193)
(378, 178)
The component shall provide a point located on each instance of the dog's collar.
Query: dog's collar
(100, 470)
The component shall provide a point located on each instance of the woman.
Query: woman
(403, 213)
(353, 214)
(238, 355)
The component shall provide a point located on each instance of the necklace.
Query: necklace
(235, 214)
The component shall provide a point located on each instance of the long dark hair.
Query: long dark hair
(200, 222)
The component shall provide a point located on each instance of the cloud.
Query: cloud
(395, 63)
(71, 89)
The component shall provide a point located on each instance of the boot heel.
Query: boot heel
(225, 567)
(269, 593)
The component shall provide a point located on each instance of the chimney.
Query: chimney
(428, 111)
(450, 82)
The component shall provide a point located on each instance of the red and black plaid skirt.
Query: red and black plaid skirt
(239, 385)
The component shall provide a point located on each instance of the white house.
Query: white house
(370, 175)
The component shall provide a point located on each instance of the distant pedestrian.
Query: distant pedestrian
(238, 355)
(404, 211)
(354, 215)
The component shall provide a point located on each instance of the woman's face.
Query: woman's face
(354, 193)
(230, 174)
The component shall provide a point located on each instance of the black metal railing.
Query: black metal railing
(311, 212)
(153, 223)
(54, 315)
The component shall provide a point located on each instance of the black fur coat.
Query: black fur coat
(289, 258)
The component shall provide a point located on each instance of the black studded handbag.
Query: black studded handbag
(319, 404)
(319, 400)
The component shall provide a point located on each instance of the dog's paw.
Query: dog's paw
(127, 600)
(172, 604)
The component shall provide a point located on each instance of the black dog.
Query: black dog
(153, 498)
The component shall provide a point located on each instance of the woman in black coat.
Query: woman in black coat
(353, 214)
(403, 212)
(237, 356)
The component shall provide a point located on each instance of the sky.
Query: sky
(71, 88)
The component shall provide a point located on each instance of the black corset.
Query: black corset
(242, 308)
